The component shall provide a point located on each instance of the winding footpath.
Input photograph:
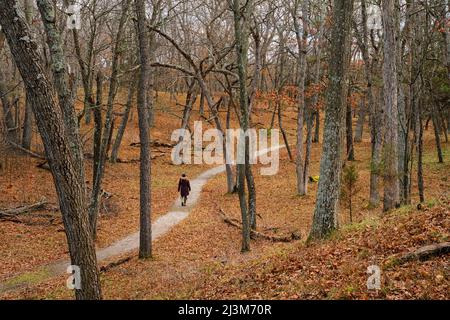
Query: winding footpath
(161, 226)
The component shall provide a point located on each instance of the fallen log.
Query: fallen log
(153, 157)
(32, 223)
(119, 160)
(115, 264)
(23, 209)
(29, 152)
(154, 143)
(255, 234)
(424, 253)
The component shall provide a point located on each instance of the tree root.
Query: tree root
(255, 234)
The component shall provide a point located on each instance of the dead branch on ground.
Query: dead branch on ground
(255, 234)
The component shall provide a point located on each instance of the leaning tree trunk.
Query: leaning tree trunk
(283, 132)
(124, 122)
(61, 81)
(325, 214)
(145, 240)
(69, 183)
(390, 149)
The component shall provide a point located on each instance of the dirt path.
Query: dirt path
(162, 225)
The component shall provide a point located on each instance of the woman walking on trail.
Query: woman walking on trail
(184, 187)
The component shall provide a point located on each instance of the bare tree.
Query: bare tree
(241, 37)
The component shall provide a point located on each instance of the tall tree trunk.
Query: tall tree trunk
(301, 37)
(446, 48)
(437, 137)
(202, 104)
(419, 144)
(99, 164)
(360, 122)
(373, 97)
(316, 138)
(69, 183)
(325, 214)
(403, 121)
(313, 113)
(145, 242)
(241, 38)
(349, 129)
(228, 166)
(403, 147)
(309, 128)
(390, 148)
(27, 133)
(251, 188)
(7, 106)
(274, 113)
(257, 68)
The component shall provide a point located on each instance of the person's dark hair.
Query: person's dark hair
(183, 175)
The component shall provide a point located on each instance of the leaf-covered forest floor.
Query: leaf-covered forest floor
(200, 257)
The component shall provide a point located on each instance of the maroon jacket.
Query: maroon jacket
(184, 187)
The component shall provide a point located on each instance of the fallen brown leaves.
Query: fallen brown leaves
(336, 268)
(200, 257)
